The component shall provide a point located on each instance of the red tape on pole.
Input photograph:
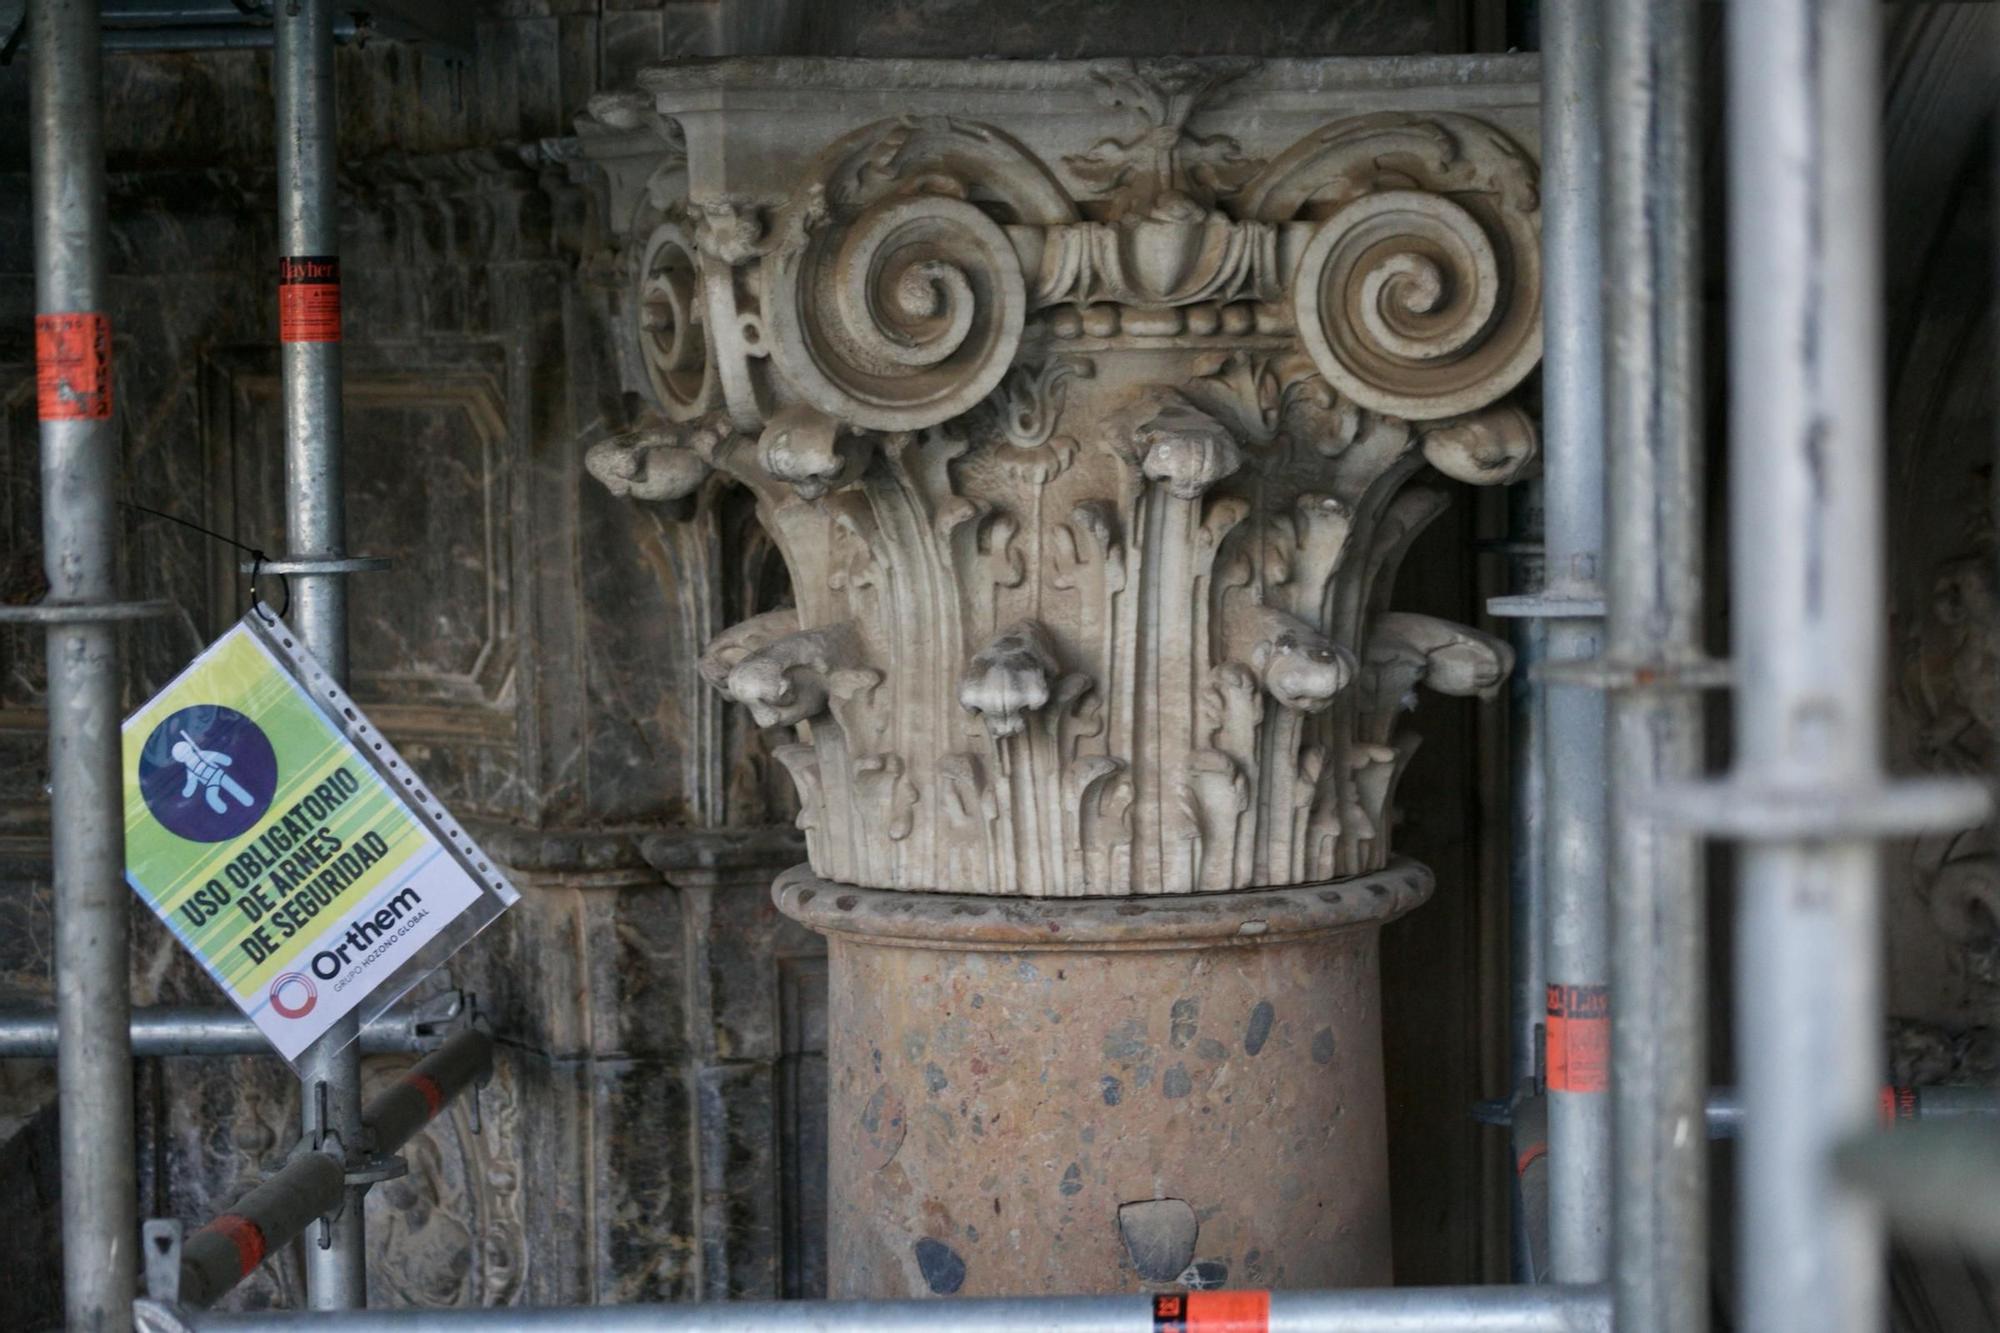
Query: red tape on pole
(427, 1087)
(246, 1235)
(73, 366)
(1212, 1312)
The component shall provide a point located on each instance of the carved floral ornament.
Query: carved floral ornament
(1091, 477)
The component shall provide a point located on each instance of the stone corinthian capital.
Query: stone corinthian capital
(1084, 401)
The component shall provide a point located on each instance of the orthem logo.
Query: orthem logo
(286, 993)
(208, 773)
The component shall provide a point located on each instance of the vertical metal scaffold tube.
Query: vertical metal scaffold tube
(1527, 902)
(1573, 732)
(79, 469)
(309, 234)
(1806, 462)
(1652, 300)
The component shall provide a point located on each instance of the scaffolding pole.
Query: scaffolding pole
(279, 1209)
(79, 464)
(157, 1032)
(1806, 458)
(309, 334)
(1576, 954)
(1546, 1309)
(1655, 666)
(1808, 795)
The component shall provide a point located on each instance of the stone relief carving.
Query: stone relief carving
(1951, 696)
(453, 1232)
(1091, 469)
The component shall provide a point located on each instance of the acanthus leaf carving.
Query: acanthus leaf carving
(655, 462)
(1175, 443)
(1094, 505)
(789, 677)
(812, 452)
(1490, 447)
(1009, 678)
(1296, 664)
(1405, 648)
(1166, 164)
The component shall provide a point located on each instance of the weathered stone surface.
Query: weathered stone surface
(1076, 1096)
(1080, 399)
(475, 265)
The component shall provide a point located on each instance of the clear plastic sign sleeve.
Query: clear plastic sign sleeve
(288, 846)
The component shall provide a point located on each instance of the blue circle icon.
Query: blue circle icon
(208, 773)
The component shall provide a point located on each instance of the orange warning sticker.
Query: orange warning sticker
(1579, 1038)
(309, 299)
(73, 366)
(1212, 1312)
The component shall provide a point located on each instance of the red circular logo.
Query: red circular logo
(293, 982)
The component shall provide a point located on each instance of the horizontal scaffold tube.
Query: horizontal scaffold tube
(310, 1186)
(1399, 1310)
(269, 1217)
(27, 1034)
(414, 1099)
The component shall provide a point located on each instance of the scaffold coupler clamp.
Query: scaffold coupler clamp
(360, 1166)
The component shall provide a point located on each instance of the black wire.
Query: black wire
(256, 554)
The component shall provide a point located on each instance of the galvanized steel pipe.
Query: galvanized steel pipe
(1895, 1104)
(310, 1186)
(79, 462)
(1806, 463)
(1573, 733)
(1653, 436)
(31, 1034)
(316, 520)
(1527, 879)
(268, 1218)
(1400, 1310)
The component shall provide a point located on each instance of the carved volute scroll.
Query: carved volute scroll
(1083, 402)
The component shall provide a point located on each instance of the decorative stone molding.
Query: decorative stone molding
(1083, 401)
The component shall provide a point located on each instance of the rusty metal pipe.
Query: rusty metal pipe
(415, 1099)
(268, 1218)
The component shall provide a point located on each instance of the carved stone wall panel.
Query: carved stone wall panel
(1083, 402)
(1032, 28)
(802, 1101)
(560, 1196)
(644, 1215)
(651, 715)
(661, 1025)
(433, 641)
(741, 1174)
